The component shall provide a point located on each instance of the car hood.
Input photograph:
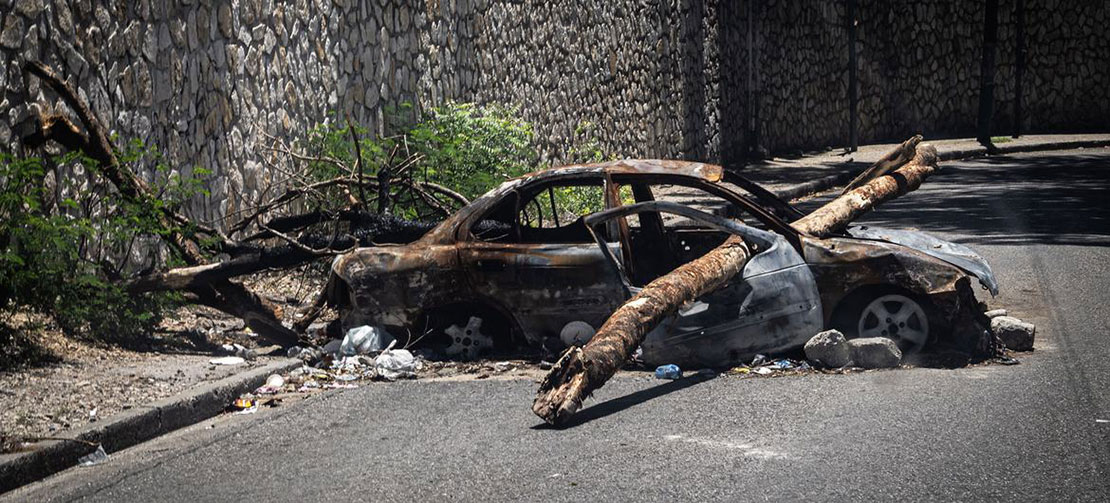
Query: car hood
(955, 254)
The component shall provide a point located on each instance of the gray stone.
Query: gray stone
(875, 352)
(191, 27)
(29, 8)
(144, 86)
(65, 18)
(12, 36)
(1014, 333)
(224, 21)
(828, 349)
(268, 40)
(150, 46)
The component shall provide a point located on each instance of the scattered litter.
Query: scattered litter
(546, 365)
(395, 364)
(92, 414)
(305, 354)
(238, 350)
(363, 340)
(503, 366)
(227, 360)
(244, 405)
(782, 365)
(1007, 360)
(758, 360)
(275, 381)
(668, 371)
(763, 371)
(94, 458)
(332, 347)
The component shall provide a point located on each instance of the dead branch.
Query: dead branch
(358, 162)
(229, 297)
(581, 370)
(838, 213)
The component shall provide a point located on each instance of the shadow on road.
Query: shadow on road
(1050, 199)
(615, 405)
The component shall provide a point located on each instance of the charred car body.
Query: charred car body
(520, 266)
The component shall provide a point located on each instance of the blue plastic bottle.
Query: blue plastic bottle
(669, 371)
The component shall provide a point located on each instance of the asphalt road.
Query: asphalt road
(1027, 432)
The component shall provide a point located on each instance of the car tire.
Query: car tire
(893, 313)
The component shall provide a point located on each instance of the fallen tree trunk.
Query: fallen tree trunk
(838, 213)
(581, 370)
(891, 161)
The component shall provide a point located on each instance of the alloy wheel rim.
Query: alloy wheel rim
(895, 317)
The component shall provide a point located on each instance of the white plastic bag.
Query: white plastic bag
(396, 364)
(363, 340)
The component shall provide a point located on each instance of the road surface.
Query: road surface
(1034, 431)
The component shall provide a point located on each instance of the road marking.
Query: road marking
(744, 448)
(1102, 420)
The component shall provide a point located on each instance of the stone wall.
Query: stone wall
(211, 82)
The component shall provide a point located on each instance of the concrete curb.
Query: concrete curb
(843, 177)
(136, 425)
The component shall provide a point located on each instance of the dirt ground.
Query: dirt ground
(70, 383)
(92, 382)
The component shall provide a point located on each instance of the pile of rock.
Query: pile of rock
(831, 349)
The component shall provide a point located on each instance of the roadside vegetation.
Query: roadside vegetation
(70, 245)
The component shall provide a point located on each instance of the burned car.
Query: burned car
(543, 260)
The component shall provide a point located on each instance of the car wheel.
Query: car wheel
(467, 331)
(895, 317)
(898, 316)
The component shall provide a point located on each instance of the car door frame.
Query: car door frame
(541, 307)
(792, 321)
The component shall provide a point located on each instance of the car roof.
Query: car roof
(711, 173)
(708, 172)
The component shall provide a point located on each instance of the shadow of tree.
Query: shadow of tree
(1050, 199)
(615, 405)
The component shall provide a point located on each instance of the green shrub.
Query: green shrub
(64, 258)
(465, 147)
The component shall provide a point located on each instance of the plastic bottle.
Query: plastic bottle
(668, 371)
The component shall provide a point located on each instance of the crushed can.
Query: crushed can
(669, 371)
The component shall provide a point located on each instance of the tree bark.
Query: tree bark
(838, 213)
(581, 370)
(887, 163)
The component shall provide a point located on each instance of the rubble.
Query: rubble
(1015, 334)
(828, 349)
(875, 352)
